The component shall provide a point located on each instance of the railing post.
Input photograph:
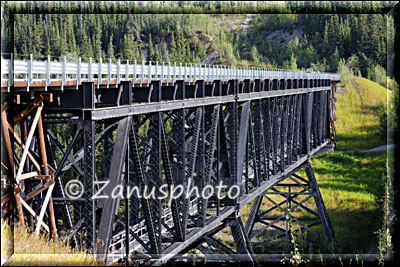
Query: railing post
(48, 71)
(100, 63)
(156, 72)
(30, 70)
(190, 72)
(11, 71)
(90, 70)
(142, 76)
(78, 72)
(175, 72)
(150, 78)
(109, 72)
(185, 72)
(162, 72)
(134, 71)
(118, 70)
(169, 72)
(195, 72)
(127, 70)
(64, 71)
(180, 71)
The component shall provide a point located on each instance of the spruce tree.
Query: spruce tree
(110, 49)
(334, 60)
(151, 54)
(127, 51)
(86, 46)
(173, 49)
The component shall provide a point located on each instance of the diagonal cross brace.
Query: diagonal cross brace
(115, 179)
(242, 142)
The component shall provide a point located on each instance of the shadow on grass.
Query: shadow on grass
(352, 172)
(360, 138)
(355, 229)
(354, 234)
(352, 187)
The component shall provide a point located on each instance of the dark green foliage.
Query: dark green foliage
(389, 116)
(324, 36)
(121, 30)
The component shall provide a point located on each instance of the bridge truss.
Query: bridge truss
(155, 125)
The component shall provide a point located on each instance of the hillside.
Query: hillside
(263, 40)
(357, 112)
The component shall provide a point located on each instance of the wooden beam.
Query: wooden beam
(28, 175)
(31, 211)
(28, 143)
(19, 142)
(44, 206)
(38, 190)
(35, 103)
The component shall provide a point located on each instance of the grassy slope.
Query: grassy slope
(357, 118)
(351, 184)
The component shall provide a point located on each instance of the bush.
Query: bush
(389, 116)
(377, 74)
(344, 70)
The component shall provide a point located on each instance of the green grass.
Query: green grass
(351, 184)
(352, 187)
(357, 123)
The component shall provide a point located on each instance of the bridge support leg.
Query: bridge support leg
(287, 211)
(241, 239)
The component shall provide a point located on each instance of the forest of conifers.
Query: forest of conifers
(327, 43)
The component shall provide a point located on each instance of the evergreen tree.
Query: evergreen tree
(127, 51)
(86, 47)
(173, 49)
(151, 51)
(110, 50)
(334, 60)
(290, 64)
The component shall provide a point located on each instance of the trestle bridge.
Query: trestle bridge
(149, 124)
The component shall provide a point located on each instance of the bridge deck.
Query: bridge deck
(30, 73)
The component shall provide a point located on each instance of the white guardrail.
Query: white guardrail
(47, 72)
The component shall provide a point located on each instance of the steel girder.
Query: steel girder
(279, 216)
(250, 133)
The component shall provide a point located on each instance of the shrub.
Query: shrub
(389, 116)
(377, 74)
(344, 70)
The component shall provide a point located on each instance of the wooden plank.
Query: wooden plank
(28, 175)
(38, 190)
(31, 211)
(40, 178)
(19, 142)
(44, 207)
(9, 195)
(5, 106)
(35, 103)
(6, 198)
(28, 142)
